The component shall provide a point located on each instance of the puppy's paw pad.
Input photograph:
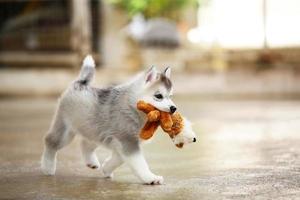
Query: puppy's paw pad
(156, 180)
(92, 166)
(109, 176)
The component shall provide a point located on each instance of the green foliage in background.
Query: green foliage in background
(154, 8)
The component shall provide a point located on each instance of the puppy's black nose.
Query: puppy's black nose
(194, 140)
(172, 109)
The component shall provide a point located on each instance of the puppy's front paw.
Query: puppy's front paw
(92, 161)
(48, 167)
(108, 175)
(153, 180)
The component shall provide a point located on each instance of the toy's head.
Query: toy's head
(159, 89)
(185, 136)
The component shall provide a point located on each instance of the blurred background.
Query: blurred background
(236, 74)
(231, 48)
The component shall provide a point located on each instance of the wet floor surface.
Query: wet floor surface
(245, 149)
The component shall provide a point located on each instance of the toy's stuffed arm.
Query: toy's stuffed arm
(148, 130)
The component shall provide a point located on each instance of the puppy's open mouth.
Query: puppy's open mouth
(179, 145)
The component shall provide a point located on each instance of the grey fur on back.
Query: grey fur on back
(106, 115)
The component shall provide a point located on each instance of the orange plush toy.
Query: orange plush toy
(170, 123)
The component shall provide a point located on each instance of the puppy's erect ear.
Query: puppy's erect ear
(151, 75)
(167, 72)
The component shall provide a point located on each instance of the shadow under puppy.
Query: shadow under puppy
(109, 117)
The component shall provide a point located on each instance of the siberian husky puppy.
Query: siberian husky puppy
(109, 117)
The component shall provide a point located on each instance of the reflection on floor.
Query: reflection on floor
(245, 149)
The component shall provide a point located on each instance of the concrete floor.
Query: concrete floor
(245, 149)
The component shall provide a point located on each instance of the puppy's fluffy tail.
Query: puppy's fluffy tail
(87, 70)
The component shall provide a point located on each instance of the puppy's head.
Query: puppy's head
(159, 89)
(186, 136)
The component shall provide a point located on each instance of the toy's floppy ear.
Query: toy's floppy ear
(151, 76)
(167, 72)
(148, 130)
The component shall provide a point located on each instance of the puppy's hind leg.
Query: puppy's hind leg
(88, 152)
(111, 163)
(58, 136)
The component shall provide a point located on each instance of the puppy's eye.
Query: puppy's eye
(158, 96)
